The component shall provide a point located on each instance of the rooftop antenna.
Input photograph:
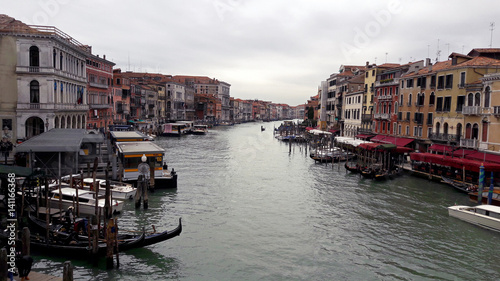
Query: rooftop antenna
(438, 52)
(386, 57)
(492, 27)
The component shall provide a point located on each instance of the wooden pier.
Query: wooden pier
(37, 276)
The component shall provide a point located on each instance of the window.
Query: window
(447, 104)
(34, 56)
(409, 83)
(399, 130)
(470, 99)
(439, 104)
(408, 116)
(477, 99)
(54, 58)
(440, 85)
(60, 61)
(432, 98)
(487, 92)
(449, 81)
(429, 119)
(433, 81)
(394, 128)
(407, 130)
(460, 103)
(462, 80)
(409, 99)
(34, 92)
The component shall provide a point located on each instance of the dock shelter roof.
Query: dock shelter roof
(59, 140)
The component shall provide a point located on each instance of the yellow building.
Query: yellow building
(490, 138)
(460, 104)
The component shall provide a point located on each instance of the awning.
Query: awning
(454, 162)
(393, 140)
(440, 148)
(333, 131)
(364, 136)
(462, 153)
(309, 128)
(483, 156)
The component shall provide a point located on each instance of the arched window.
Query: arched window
(459, 129)
(396, 107)
(422, 99)
(34, 92)
(477, 99)
(34, 56)
(475, 131)
(432, 98)
(470, 99)
(468, 131)
(445, 128)
(56, 122)
(438, 128)
(409, 99)
(487, 96)
(389, 109)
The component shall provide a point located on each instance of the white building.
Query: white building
(43, 79)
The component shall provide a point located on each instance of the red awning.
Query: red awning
(462, 153)
(333, 131)
(393, 140)
(369, 146)
(378, 138)
(309, 128)
(485, 157)
(440, 148)
(454, 162)
(364, 137)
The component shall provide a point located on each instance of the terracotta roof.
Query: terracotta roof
(484, 50)
(388, 65)
(9, 24)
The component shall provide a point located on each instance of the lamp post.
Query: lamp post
(142, 183)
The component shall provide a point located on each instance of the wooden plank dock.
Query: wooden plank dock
(37, 276)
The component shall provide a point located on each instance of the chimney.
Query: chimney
(428, 64)
(367, 64)
(104, 56)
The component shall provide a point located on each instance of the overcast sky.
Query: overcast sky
(278, 50)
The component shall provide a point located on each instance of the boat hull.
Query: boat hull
(463, 213)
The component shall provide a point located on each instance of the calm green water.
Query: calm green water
(252, 210)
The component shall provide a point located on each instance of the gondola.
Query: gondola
(352, 169)
(368, 173)
(39, 226)
(80, 249)
(381, 175)
(460, 186)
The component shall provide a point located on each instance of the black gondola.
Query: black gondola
(352, 169)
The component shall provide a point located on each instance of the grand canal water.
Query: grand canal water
(253, 210)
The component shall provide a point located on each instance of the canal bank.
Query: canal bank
(253, 209)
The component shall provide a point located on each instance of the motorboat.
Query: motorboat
(86, 200)
(487, 216)
(200, 129)
(119, 190)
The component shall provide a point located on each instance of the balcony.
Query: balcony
(387, 82)
(99, 106)
(98, 85)
(496, 110)
(384, 97)
(365, 118)
(471, 110)
(49, 71)
(385, 116)
(444, 137)
(53, 106)
(469, 143)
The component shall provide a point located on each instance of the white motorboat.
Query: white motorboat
(487, 216)
(119, 190)
(200, 129)
(86, 201)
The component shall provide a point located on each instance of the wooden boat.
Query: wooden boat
(352, 169)
(487, 216)
(368, 173)
(58, 230)
(80, 249)
(460, 186)
(495, 198)
(381, 175)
